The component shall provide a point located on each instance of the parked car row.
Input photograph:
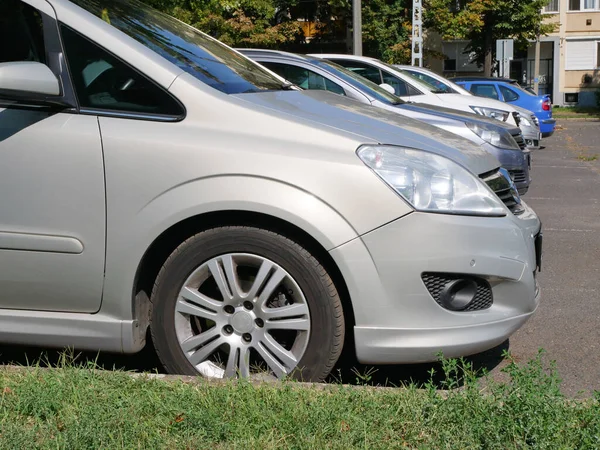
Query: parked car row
(156, 182)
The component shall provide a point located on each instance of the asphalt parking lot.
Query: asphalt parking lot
(566, 195)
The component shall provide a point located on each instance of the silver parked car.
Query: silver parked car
(502, 140)
(153, 178)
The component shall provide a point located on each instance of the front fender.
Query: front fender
(128, 240)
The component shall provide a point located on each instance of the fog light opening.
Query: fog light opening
(457, 295)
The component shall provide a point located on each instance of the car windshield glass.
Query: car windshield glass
(360, 83)
(442, 85)
(194, 52)
(418, 81)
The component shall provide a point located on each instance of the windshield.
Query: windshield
(192, 51)
(360, 83)
(422, 83)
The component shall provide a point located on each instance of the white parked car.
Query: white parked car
(410, 88)
(529, 123)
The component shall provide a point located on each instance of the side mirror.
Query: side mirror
(28, 81)
(388, 88)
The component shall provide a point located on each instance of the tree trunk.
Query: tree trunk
(489, 46)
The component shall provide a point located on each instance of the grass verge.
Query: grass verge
(575, 112)
(88, 408)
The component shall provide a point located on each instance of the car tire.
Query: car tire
(295, 329)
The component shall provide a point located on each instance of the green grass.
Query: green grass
(575, 112)
(79, 408)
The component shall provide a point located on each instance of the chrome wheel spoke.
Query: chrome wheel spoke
(289, 324)
(259, 280)
(274, 281)
(231, 367)
(278, 369)
(200, 355)
(219, 276)
(244, 362)
(285, 356)
(200, 339)
(193, 310)
(283, 312)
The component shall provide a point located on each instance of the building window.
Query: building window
(583, 5)
(450, 65)
(552, 6)
(598, 55)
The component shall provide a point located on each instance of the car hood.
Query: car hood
(463, 116)
(474, 100)
(371, 124)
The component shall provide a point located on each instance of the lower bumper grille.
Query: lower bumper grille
(435, 282)
(518, 176)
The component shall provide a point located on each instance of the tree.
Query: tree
(238, 23)
(482, 22)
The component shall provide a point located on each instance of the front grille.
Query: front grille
(502, 187)
(520, 140)
(435, 282)
(518, 176)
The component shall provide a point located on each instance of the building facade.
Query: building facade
(569, 57)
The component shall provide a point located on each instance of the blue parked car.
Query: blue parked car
(509, 91)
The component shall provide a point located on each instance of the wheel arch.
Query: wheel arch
(160, 249)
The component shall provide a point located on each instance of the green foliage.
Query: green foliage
(482, 22)
(88, 408)
(242, 23)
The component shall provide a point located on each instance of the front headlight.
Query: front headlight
(491, 112)
(431, 182)
(494, 135)
(525, 121)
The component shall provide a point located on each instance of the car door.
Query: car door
(52, 193)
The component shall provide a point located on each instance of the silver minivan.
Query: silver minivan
(155, 179)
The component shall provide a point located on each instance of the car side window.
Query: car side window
(21, 33)
(508, 94)
(104, 82)
(400, 87)
(485, 90)
(364, 70)
(306, 79)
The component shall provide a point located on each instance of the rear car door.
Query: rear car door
(52, 192)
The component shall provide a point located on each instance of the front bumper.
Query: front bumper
(396, 318)
(518, 164)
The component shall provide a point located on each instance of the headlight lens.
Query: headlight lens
(494, 135)
(431, 182)
(525, 121)
(491, 112)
